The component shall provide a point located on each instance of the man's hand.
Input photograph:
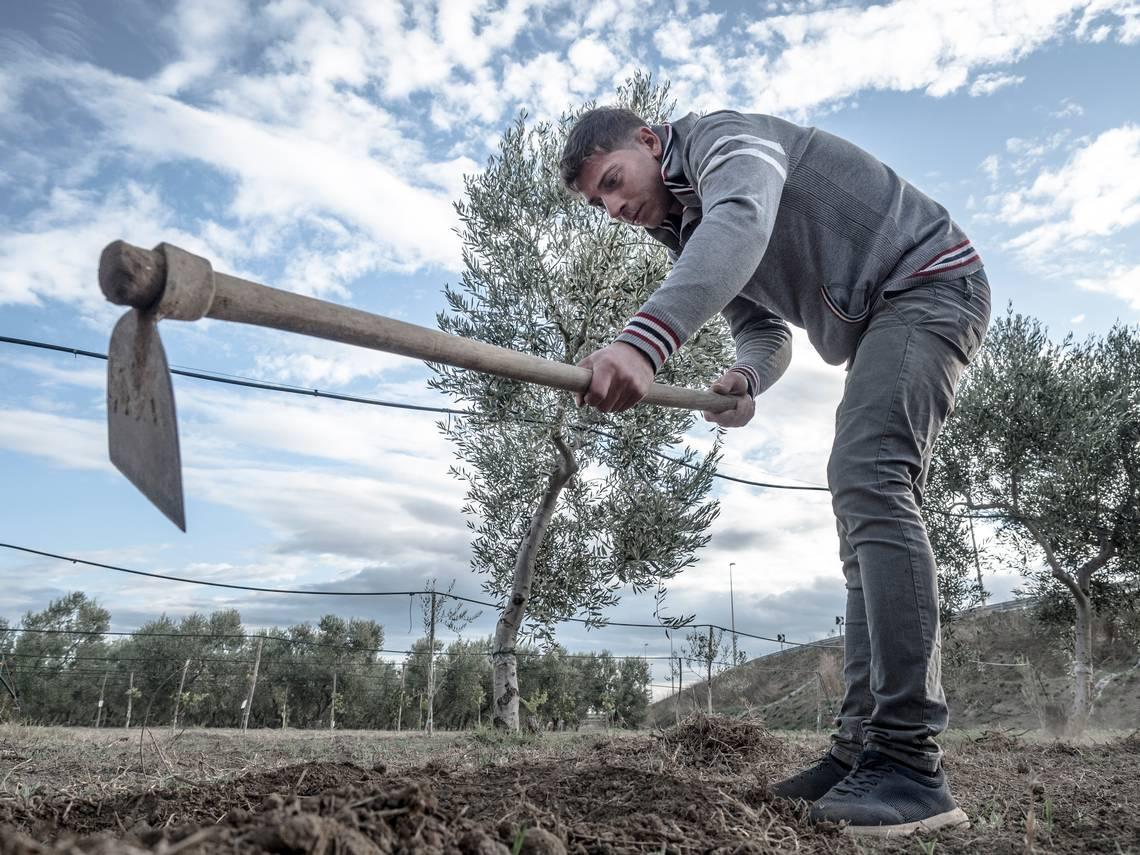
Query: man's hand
(733, 383)
(622, 376)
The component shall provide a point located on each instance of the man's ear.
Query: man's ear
(650, 140)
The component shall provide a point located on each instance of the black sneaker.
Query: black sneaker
(813, 781)
(884, 798)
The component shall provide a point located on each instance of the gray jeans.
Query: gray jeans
(899, 390)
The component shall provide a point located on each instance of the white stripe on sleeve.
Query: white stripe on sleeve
(751, 152)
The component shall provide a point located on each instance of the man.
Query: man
(773, 224)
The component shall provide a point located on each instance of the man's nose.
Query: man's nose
(613, 208)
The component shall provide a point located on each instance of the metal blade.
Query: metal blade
(142, 428)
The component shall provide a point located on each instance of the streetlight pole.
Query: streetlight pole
(732, 611)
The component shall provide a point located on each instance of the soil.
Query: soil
(699, 787)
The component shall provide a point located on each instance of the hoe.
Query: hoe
(168, 282)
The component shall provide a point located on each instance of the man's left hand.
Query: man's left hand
(622, 376)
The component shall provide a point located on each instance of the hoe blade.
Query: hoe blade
(142, 429)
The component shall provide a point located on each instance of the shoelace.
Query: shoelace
(864, 777)
(822, 763)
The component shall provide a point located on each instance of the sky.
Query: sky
(319, 147)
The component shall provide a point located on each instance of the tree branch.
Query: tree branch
(1085, 571)
(1055, 567)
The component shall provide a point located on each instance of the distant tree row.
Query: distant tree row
(197, 671)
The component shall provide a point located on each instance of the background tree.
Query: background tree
(56, 671)
(566, 507)
(1045, 442)
(709, 652)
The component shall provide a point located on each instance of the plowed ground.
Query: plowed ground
(700, 787)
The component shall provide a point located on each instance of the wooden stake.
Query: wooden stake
(332, 706)
(709, 664)
(681, 685)
(130, 700)
(178, 697)
(400, 708)
(431, 668)
(252, 686)
(99, 709)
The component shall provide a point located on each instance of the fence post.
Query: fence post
(332, 706)
(431, 669)
(252, 686)
(130, 700)
(818, 702)
(178, 697)
(681, 685)
(400, 708)
(99, 709)
(709, 663)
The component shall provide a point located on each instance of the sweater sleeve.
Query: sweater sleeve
(763, 344)
(739, 177)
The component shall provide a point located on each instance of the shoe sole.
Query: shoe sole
(951, 819)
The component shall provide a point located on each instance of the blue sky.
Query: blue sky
(318, 147)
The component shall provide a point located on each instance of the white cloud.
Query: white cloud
(1120, 281)
(1124, 20)
(54, 253)
(988, 84)
(316, 364)
(990, 166)
(1068, 108)
(1077, 320)
(1095, 194)
(75, 443)
(819, 56)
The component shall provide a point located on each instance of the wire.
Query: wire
(233, 380)
(599, 623)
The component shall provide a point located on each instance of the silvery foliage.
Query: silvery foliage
(547, 275)
(1045, 441)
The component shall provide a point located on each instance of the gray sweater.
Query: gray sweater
(785, 224)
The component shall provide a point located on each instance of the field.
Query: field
(700, 787)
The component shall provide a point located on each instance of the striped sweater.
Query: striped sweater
(785, 224)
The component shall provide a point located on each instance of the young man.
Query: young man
(773, 224)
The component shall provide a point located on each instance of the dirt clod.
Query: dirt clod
(539, 841)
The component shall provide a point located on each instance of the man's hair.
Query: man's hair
(603, 129)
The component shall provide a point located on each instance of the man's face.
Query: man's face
(627, 182)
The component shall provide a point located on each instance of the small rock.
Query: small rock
(539, 841)
(478, 842)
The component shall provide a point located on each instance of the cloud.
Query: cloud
(1120, 281)
(75, 443)
(1068, 109)
(823, 55)
(990, 166)
(1095, 194)
(988, 84)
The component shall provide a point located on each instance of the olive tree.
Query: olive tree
(1045, 442)
(566, 507)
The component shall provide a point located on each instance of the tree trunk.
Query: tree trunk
(1082, 664)
(505, 700)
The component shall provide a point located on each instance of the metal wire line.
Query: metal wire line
(233, 380)
(599, 623)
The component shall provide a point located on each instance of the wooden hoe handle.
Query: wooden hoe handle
(177, 284)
